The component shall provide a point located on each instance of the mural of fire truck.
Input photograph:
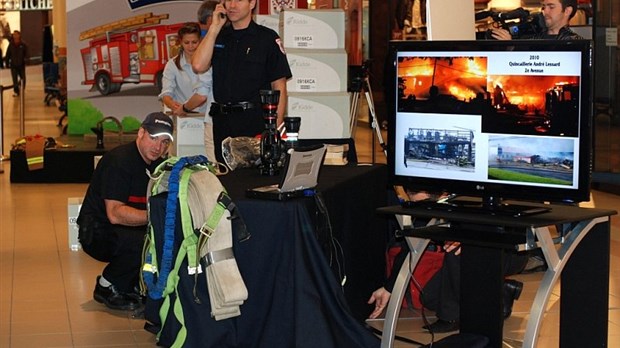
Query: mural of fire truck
(133, 50)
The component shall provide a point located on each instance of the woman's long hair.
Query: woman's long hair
(186, 29)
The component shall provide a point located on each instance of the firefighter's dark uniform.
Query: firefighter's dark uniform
(120, 176)
(244, 62)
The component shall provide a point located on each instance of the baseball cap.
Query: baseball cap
(158, 123)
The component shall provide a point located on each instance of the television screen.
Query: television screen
(492, 119)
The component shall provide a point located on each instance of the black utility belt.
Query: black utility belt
(230, 108)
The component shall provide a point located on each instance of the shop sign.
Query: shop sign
(25, 5)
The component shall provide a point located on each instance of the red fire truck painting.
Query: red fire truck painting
(133, 50)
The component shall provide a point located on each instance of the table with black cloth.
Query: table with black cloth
(63, 165)
(73, 162)
(295, 298)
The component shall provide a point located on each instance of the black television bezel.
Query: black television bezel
(493, 191)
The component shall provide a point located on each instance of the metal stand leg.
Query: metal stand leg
(3, 157)
(354, 106)
(556, 259)
(417, 246)
(362, 85)
(373, 116)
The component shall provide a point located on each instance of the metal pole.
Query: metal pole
(1, 123)
(1, 127)
(22, 98)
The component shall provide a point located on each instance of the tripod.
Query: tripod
(358, 85)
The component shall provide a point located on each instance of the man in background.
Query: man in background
(557, 15)
(205, 15)
(16, 59)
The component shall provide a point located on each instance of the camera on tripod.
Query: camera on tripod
(520, 23)
(357, 75)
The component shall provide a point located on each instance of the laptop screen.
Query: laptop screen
(302, 168)
(301, 174)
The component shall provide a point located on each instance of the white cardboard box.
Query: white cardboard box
(73, 210)
(189, 135)
(317, 70)
(323, 115)
(314, 29)
(269, 21)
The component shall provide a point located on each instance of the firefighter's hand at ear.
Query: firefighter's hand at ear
(219, 16)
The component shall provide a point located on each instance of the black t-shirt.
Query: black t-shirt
(564, 34)
(246, 61)
(120, 176)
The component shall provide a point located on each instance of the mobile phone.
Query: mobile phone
(223, 15)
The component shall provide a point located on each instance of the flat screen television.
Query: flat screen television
(499, 120)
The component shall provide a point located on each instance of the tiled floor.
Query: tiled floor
(46, 289)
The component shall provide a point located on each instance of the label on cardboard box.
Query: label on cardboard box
(303, 41)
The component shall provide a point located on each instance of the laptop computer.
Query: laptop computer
(300, 177)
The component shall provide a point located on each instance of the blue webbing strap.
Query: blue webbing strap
(156, 291)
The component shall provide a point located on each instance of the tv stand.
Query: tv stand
(581, 261)
(478, 207)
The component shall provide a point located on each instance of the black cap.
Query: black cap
(158, 123)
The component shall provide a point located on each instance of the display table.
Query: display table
(295, 299)
(60, 166)
(74, 164)
(582, 262)
(351, 194)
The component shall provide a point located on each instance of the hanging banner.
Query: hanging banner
(136, 4)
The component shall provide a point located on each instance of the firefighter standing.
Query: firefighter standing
(246, 58)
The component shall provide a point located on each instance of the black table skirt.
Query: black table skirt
(59, 166)
(351, 195)
(295, 298)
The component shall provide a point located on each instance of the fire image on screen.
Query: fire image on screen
(491, 119)
(509, 103)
